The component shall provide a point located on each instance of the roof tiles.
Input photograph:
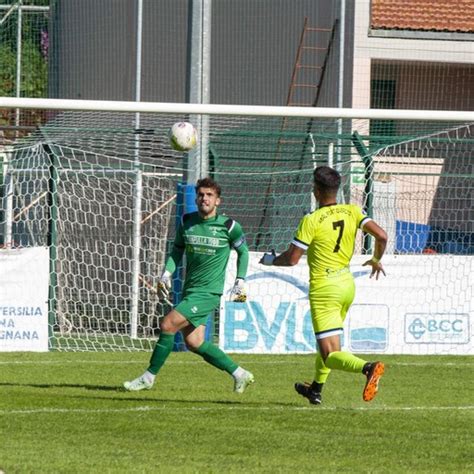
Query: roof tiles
(424, 15)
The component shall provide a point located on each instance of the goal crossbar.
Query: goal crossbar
(249, 110)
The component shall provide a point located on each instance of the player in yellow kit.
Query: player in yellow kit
(328, 236)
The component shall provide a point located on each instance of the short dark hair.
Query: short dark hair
(326, 179)
(208, 183)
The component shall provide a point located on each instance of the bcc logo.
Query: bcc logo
(436, 328)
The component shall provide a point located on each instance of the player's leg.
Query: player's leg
(194, 338)
(321, 372)
(330, 347)
(171, 324)
(339, 360)
(336, 359)
(330, 308)
(313, 391)
(327, 326)
(195, 341)
(327, 302)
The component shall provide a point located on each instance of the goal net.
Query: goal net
(102, 190)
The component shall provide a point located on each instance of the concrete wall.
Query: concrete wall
(254, 46)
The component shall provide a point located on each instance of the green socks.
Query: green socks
(161, 352)
(214, 356)
(344, 361)
(209, 352)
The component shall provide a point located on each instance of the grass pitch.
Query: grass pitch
(67, 413)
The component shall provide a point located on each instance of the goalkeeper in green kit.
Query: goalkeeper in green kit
(206, 238)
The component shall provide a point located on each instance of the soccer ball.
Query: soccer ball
(183, 136)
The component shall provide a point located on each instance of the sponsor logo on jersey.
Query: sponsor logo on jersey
(202, 240)
(331, 211)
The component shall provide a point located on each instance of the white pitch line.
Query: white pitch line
(430, 364)
(147, 408)
(199, 361)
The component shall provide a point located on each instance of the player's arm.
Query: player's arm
(380, 237)
(239, 244)
(290, 257)
(242, 260)
(164, 283)
(177, 252)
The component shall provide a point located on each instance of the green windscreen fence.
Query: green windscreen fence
(73, 185)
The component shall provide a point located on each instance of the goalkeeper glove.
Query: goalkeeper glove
(268, 258)
(164, 287)
(238, 293)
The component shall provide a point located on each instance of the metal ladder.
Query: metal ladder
(308, 64)
(308, 73)
(303, 91)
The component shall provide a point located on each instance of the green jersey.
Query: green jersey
(207, 244)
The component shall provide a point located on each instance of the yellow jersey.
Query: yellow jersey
(328, 236)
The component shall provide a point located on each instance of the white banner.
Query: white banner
(423, 306)
(24, 275)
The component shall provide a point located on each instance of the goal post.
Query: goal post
(106, 209)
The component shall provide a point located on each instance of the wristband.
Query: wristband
(166, 274)
(375, 260)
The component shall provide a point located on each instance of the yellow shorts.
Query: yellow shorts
(329, 301)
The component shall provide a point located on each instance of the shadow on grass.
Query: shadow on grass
(203, 402)
(104, 388)
(141, 399)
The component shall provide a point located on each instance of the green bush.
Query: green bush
(34, 71)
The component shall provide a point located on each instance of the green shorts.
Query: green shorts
(196, 307)
(329, 301)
